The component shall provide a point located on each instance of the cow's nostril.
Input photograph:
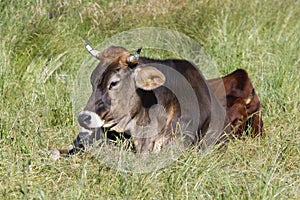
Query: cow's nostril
(87, 119)
(84, 119)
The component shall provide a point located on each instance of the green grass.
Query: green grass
(40, 58)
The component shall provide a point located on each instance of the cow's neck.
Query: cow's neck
(152, 128)
(147, 117)
(148, 122)
(151, 121)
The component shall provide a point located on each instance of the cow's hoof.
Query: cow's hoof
(54, 154)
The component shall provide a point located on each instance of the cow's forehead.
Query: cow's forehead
(111, 59)
(112, 53)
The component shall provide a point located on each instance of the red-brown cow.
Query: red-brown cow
(235, 92)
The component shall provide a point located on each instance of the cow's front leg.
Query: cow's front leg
(83, 140)
(86, 138)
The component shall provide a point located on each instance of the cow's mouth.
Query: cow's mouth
(91, 120)
(118, 125)
(110, 125)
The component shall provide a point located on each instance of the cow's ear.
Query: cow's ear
(149, 78)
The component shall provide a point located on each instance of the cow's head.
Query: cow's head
(115, 81)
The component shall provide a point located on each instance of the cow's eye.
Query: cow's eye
(113, 84)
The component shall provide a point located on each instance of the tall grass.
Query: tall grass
(41, 52)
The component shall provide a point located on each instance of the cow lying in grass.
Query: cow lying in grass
(236, 93)
(127, 88)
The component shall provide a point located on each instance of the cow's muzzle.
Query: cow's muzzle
(89, 120)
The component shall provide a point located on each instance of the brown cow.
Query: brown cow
(146, 99)
(126, 87)
(235, 92)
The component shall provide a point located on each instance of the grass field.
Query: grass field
(41, 51)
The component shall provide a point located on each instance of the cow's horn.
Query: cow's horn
(91, 50)
(133, 59)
